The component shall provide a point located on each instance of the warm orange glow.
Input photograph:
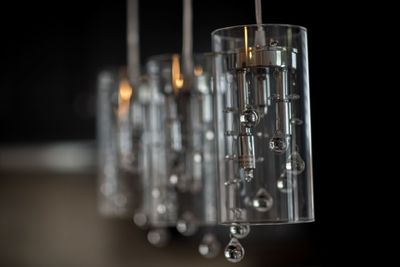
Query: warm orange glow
(177, 77)
(250, 53)
(246, 44)
(125, 90)
(198, 70)
(125, 93)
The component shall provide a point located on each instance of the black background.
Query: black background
(52, 52)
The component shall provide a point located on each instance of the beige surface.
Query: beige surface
(52, 221)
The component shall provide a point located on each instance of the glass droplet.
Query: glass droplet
(158, 237)
(284, 184)
(263, 201)
(173, 179)
(295, 164)
(120, 200)
(161, 208)
(209, 246)
(140, 219)
(278, 143)
(296, 121)
(249, 118)
(248, 201)
(210, 135)
(197, 157)
(234, 251)
(239, 230)
(155, 193)
(186, 224)
(248, 175)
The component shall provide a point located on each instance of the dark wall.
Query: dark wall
(52, 53)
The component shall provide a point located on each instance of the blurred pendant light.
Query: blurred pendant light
(116, 192)
(119, 123)
(141, 121)
(263, 127)
(178, 137)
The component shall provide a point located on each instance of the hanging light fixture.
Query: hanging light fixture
(236, 121)
(116, 161)
(178, 145)
(119, 128)
(181, 138)
(263, 127)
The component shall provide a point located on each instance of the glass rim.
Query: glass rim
(293, 26)
(309, 219)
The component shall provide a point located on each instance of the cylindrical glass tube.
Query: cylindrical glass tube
(117, 160)
(180, 144)
(263, 124)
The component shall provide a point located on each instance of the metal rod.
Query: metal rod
(258, 13)
(187, 44)
(133, 41)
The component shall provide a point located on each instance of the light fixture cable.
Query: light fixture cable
(133, 55)
(260, 34)
(187, 41)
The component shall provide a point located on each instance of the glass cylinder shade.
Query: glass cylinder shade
(117, 161)
(179, 136)
(263, 124)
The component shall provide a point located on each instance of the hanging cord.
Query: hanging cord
(260, 34)
(187, 44)
(133, 41)
(258, 13)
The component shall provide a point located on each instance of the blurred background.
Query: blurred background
(50, 58)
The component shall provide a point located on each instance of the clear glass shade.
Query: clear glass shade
(263, 124)
(179, 144)
(117, 137)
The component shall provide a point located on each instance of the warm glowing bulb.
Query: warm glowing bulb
(179, 82)
(124, 96)
(177, 77)
(245, 40)
(125, 90)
